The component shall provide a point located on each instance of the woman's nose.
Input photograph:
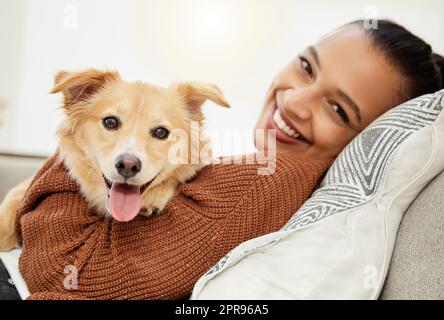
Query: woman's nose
(299, 102)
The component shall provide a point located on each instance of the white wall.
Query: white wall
(237, 44)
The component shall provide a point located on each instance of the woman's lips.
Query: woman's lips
(282, 136)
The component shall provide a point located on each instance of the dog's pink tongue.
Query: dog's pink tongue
(125, 201)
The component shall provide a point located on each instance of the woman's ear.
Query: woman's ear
(80, 86)
(195, 94)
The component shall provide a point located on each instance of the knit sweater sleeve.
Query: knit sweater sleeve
(249, 203)
(51, 178)
(222, 188)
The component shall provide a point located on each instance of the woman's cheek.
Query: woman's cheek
(330, 139)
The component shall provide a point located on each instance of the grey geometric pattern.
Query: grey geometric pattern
(354, 177)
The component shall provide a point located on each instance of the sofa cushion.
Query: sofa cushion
(15, 169)
(417, 267)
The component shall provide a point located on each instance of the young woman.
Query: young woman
(317, 104)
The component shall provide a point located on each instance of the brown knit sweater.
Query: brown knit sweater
(160, 257)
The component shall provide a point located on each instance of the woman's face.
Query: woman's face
(328, 94)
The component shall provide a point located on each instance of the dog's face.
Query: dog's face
(126, 131)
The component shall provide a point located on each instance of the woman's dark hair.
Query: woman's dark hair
(423, 70)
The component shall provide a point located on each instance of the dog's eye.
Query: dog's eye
(111, 123)
(160, 133)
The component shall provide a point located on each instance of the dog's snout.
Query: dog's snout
(128, 165)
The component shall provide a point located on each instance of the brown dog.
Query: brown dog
(118, 140)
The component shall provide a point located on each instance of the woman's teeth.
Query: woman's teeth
(280, 123)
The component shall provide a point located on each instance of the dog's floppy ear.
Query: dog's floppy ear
(195, 94)
(80, 86)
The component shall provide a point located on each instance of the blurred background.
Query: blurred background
(237, 44)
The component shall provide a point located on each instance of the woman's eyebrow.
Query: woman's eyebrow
(315, 55)
(351, 103)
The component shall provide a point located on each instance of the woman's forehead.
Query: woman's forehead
(344, 32)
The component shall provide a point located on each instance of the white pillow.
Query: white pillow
(338, 245)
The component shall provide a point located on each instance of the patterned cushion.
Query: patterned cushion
(339, 244)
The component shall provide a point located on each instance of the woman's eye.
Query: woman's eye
(111, 123)
(160, 133)
(306, 66)
(340, 111)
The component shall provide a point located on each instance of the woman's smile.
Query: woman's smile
(286, 132)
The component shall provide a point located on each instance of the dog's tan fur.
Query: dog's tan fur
(89, 150)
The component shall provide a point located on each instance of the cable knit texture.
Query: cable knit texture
(162, 256)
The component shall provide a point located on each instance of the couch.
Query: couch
(417, 266)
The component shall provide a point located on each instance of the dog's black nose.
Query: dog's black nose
(128, 165)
